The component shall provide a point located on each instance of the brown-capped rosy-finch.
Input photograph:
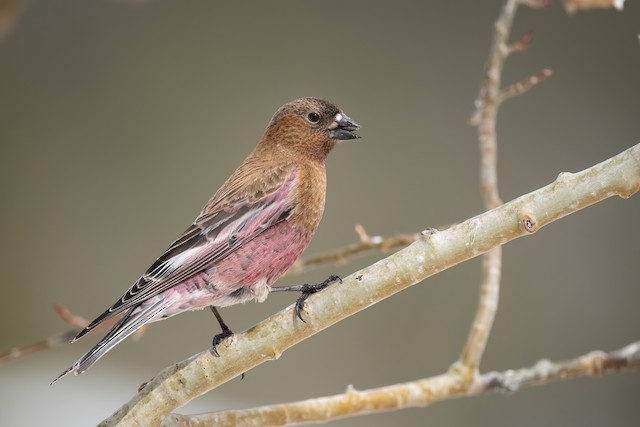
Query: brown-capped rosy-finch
(247, 236)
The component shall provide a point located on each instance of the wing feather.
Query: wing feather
(234, 216)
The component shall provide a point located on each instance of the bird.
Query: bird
(248, 234)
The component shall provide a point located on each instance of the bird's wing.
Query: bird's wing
(247, 205)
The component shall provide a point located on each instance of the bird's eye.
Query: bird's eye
(313, 117)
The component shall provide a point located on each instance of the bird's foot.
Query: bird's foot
(218, 339)
(310, 289)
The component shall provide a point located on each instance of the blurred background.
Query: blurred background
(118, 120)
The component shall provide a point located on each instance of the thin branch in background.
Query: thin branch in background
(535, 4)
(55, 340)
(468, 364)
(593, 364)
(61, 338)
(484, 118)
(362, 234)
(521, 87)
(418, 393)
(78, 322)
(573, 6)
(342, 255)
(520, 45)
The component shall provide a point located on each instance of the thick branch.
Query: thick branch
(416, 393)
(433, 252)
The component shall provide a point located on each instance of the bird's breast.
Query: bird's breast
(266, 257)
(309, 198)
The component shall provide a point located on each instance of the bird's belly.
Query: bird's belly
(266, 257)
(244, 275)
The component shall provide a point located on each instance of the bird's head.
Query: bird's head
(310, 127)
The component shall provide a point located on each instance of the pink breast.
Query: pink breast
(268, 255)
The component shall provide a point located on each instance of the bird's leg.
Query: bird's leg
(226, 332)
(306, 289)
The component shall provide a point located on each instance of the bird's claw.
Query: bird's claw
(311, 289)
(218, 339)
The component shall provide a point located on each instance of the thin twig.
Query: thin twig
(341, 255)
(468, 365)
(573, 6)
(485, 118)
(593, 364)
(522, 44)
(418, 393)
(46, 344)
(78, 322)
(55, 340)
(61, 338)
(519, 88)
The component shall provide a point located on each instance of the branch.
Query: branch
(432, 253)
(488, 103)
(342, 255)
(78, 323)
(524, 85)
(572, 6)
(418, 393)
(489, 100)
(52, 341)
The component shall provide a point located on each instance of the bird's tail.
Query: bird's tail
(132, 319)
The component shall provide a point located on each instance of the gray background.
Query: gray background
(117, 123)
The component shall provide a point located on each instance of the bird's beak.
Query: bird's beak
(343, 127)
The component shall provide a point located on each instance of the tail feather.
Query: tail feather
(133, 319)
